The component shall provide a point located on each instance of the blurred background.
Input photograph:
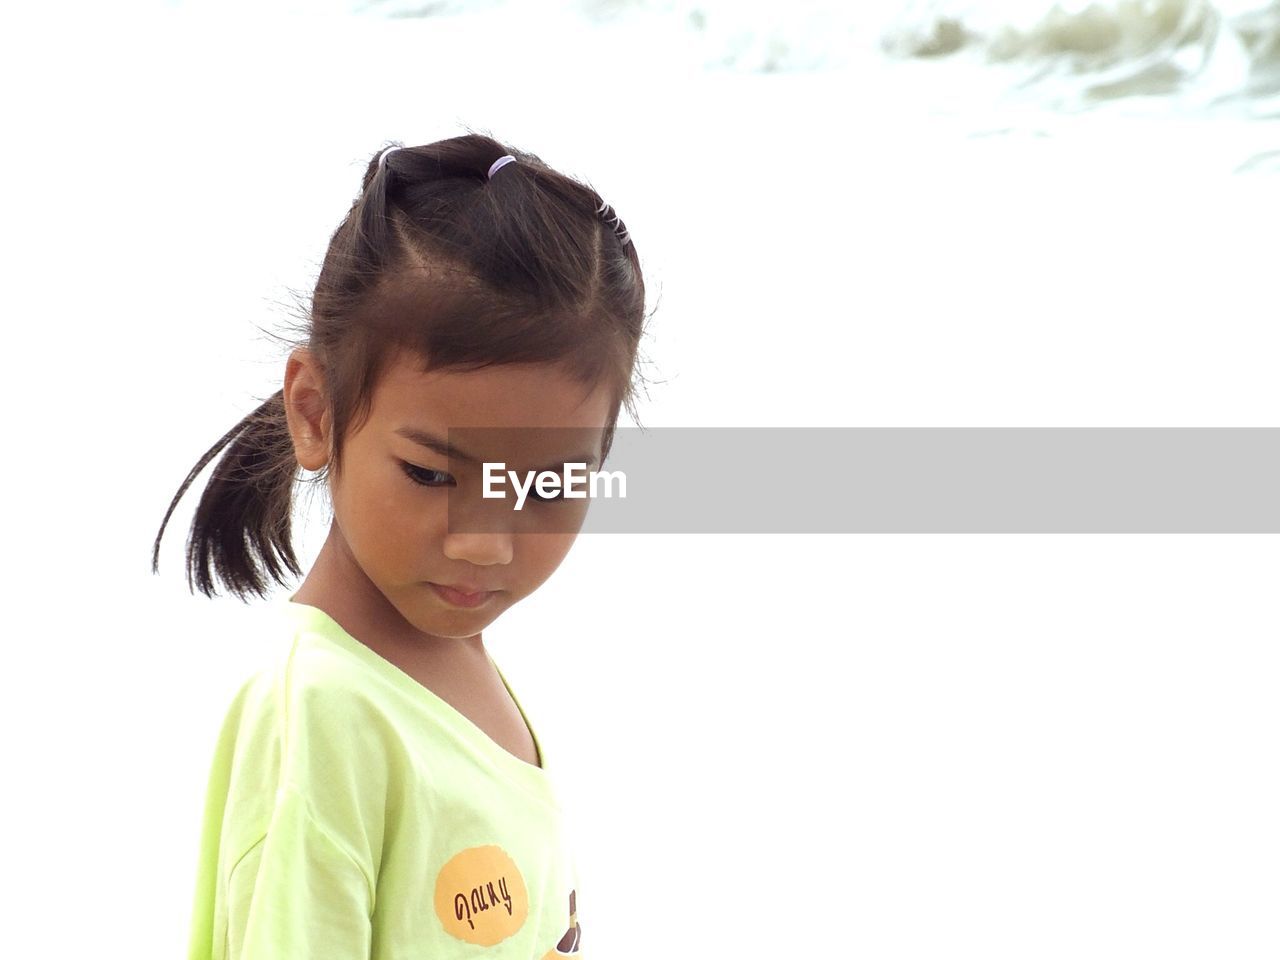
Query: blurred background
(881, 214)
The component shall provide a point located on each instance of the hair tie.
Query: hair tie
(618, 227)
(382, 157)
(616, 222)
(500, 163)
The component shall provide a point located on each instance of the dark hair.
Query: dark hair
(462, 270)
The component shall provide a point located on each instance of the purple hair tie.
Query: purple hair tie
(500, 163)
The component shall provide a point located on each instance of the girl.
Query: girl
(378, 791)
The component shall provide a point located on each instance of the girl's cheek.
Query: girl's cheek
(548, 552)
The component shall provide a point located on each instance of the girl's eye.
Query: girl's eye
(424, 477)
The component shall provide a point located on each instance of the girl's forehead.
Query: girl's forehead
(503, 395)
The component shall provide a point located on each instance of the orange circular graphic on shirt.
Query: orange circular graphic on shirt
(480, 896)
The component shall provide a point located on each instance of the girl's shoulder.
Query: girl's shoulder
(299, 725)
(307, 715)
(310, 676)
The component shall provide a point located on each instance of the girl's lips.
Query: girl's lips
(461, 598)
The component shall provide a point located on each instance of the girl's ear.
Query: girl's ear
(306, 409)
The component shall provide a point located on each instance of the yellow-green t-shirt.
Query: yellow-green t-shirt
(352, 814)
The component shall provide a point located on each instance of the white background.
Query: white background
(1004, 746)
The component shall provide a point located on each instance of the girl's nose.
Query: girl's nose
(482, 549)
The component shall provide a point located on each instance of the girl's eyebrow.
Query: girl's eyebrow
(439, 445)
(446, 449)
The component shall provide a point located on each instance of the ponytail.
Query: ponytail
(241, 529)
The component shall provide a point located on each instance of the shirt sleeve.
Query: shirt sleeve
(297, 893)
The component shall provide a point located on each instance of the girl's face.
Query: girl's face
(407, 517)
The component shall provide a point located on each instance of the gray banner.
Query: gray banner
(907, 480)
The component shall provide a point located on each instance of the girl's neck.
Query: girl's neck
(337, 585)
